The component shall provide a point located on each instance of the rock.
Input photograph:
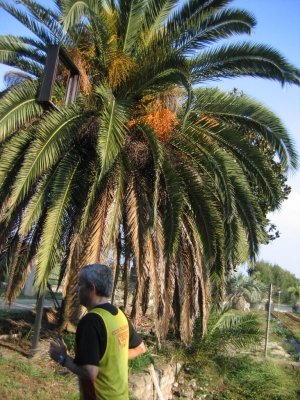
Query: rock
(189, 394)
(193, 384)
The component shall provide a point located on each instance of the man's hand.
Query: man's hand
(57, 349)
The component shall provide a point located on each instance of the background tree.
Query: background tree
(147, 164)
(227, 331)
(294, 296)
(277, 276)
(241, 288)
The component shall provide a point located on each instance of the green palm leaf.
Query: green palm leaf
(74, 11)
(205, 28)
(131, 13)
(17, 108)
(243, 59)
(30, 22)
(64, 190)
(53, 138)
(113, 121)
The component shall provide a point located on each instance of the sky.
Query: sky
(278, 25)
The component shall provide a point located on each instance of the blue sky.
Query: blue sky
(278, 25)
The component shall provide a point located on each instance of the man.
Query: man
(105, 340)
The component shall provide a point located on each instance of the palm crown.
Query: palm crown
(169, 175)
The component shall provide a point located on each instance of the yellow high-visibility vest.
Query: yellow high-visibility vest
(112, 380)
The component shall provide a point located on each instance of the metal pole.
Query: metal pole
(268, 321)
(279, 291)
(37, 324)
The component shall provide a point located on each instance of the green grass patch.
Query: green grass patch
(263, 381)
(138, 364)
(69, 339)
(11, 313)
(28, 381)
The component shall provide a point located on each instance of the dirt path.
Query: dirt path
(25, 304)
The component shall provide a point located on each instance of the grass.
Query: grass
(260, 381)
(140, 363)
(28, 380)
(11, 313)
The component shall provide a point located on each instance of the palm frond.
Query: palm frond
(113, 121)
(74, 11)
(235, 331)
(157, 154)
(37, 203)
(30, 22)
(64, 187)
(17, 49)
(53, 138)
(12, 156)
(114, 214)
(243, 59)
(242, 111)
(131, 14)
(156, 15)
(206, 28)
(17, 108)
(49, 19)
(173, 207)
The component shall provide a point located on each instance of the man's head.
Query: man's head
(101, 276)
(94, 279)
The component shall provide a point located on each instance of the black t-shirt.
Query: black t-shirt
(91, 337)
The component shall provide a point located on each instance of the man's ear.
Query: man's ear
(93, 287)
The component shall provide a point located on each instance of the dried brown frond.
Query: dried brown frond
(208, 121)
(172, 99)
(159, 282)
(85, 249)
(113, 220)
(202, 276)
(139, 154)
(96, 228)
(82, 62)
(126, 275)
(12, 78)
(17, 276)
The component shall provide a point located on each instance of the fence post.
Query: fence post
(268, 321)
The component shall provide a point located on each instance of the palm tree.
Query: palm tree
(294, 292)
(167, 175)
(227, 332)
(241, 289)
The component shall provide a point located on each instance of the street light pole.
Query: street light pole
(279, 291)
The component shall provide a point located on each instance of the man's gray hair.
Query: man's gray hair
(101, 276)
